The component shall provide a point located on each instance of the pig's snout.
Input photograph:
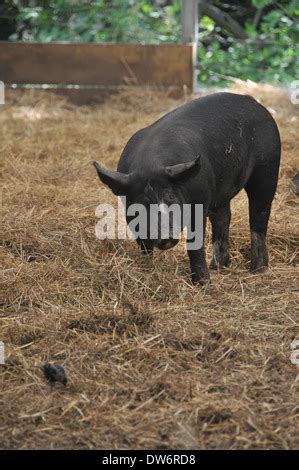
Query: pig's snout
(167, 244)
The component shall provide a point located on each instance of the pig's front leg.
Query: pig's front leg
(146, 247)
(198, 265)
(197, 257)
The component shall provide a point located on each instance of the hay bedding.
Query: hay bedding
(152, 361)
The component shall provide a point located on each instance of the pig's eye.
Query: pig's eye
(143, 199)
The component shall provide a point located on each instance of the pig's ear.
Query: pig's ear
(117, 182)
(182, 169)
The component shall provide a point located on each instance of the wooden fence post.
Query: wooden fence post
(189, 21)
(190, 30)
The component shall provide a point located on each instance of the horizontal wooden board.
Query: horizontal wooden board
(97, 64)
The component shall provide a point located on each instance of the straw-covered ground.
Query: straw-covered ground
(153, 362)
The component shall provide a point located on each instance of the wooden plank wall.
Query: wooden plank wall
(104, 65)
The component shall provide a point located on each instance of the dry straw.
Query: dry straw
(152, 361)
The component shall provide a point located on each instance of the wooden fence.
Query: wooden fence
(101, 65)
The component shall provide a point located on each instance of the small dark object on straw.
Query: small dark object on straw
(295, 184)
(55, 373)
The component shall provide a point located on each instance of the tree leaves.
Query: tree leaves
(261, 3)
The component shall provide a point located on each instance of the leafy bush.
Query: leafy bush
(100, 21)
(269, 55)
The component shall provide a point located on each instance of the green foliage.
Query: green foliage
(100, 21)
(268, 55)
(260, 3)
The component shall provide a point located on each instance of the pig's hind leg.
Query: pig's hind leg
(220, 220)
(260, 190)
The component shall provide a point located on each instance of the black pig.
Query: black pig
(205, 152)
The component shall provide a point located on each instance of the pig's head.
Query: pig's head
(161, 195)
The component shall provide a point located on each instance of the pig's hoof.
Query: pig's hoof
(258, 269)
(295, 184)
(200, 280)
(216, 264)
(259, 263)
